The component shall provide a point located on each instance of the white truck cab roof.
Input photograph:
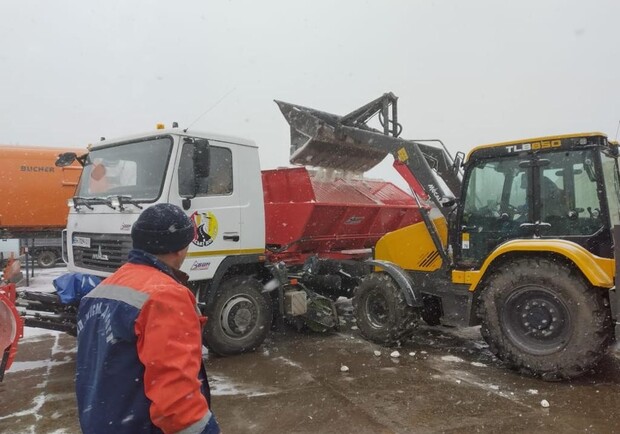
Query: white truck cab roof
(178, 132)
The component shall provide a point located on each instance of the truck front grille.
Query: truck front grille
(107, 252)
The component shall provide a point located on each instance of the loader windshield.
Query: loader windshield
(135, 169)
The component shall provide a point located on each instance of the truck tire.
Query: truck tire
(381, 312)
(46, 258)
(239, 317)
(541, 318)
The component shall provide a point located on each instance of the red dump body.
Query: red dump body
(307, 214)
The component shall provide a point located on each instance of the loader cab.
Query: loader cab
(557, 187)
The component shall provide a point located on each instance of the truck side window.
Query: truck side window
(220, 179)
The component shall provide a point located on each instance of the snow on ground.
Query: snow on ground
(42, 279)
(222, 385)
(40, 282)
(39, 400)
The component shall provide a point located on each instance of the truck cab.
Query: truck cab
(215, 179)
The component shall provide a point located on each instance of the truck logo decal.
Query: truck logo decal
(354, 220)
(125, 226)
(200, 265)
(36, 169)
(100, 256)
(206, 228)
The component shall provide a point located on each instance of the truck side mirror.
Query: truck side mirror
(197, 170)
(201, 159)
(66, 159)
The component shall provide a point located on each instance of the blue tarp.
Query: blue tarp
(71, 287)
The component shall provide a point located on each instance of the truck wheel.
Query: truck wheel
(46, 258)
(239, 317)
(541, 318)
(381, 312)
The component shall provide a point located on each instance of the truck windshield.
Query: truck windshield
(130, 169)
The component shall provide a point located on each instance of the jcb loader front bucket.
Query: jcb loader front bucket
(318, 139)
(348, 143)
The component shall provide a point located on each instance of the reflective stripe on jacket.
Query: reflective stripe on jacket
(139, 359)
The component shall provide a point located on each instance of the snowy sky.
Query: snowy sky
(467, 72)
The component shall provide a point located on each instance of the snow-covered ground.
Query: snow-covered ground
(441, 380)
(40, 282)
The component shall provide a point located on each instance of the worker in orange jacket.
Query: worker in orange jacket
(139, 357)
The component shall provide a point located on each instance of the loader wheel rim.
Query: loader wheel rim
(239, 316)
(537, 320)
(377, 309)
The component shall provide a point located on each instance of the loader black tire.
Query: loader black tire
(239, 317)
(380, 310)
(542, 318)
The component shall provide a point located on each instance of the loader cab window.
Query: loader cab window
(612, 187)
(496, 189)
(569, 196)
(219, 180)
(495, 206)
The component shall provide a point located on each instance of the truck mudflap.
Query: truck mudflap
(412, 294)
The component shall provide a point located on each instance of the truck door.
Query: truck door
(495, 207)
(208, 195)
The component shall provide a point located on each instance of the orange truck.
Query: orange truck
(34, 192)
(33, 207)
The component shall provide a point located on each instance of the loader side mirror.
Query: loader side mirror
(66, 159)
(588, 165)
(458, 161)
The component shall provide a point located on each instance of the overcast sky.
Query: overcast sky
(468, 72)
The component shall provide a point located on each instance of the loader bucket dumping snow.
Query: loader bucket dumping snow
(315, 141)
(318, 139)
(347, 143)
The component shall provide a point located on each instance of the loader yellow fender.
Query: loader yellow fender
(412, 247)
(599, 271)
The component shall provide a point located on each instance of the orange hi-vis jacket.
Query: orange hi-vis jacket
(139, 359)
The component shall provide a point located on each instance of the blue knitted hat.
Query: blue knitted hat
(162, 228)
